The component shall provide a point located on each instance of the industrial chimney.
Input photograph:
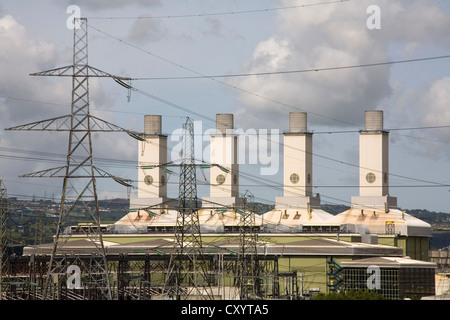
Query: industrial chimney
(374, 164)
(297, 176)
(224, 171)
(152, 152)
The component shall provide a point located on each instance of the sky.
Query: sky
(257, 59)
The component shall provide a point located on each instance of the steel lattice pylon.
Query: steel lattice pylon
(248, 269)
(80, 170)
(188, 226)
(79, 191)
(188, 269)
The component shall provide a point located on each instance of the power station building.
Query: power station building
(373, 213)
(307, 248)
(305, 238)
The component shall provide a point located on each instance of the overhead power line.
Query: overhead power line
(364, 65)
(124, 162)
(223, 13)
(210, 119)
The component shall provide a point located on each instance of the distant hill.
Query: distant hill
(436, 219)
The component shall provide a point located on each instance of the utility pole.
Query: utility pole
(79, 190)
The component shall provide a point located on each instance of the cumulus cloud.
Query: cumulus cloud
(332, 36)
(426, 108)
(22, 54)
(437, 100)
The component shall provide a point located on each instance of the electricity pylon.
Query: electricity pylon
(248, 270)
(79, 191)
(188, 226)
(188, 268)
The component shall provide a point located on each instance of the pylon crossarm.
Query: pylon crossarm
(100, 73)
(98, 124)
(61, 123)
(58, 172)
(59, 72)
(67, 71)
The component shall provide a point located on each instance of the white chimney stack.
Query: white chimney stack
(224, 171)
(374, 164)
(152, 179)
(298, 170)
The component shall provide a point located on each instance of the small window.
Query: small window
(148, 180)
(370, 177)
(220, 179)
(294, 178)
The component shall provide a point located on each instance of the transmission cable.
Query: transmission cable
(375, 64)
(195, 15)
